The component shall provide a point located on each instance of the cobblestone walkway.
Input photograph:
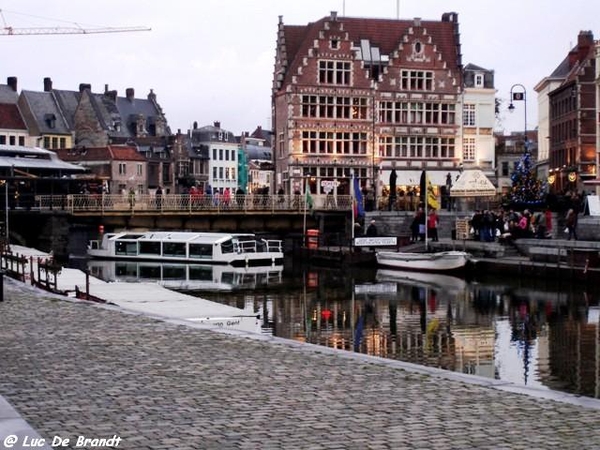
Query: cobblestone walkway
(74, 369)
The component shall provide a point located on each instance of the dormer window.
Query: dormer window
(479, 80)
(50, 120)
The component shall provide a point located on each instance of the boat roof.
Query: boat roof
(178, 236)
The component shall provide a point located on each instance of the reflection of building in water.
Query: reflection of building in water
(573, 344)
(474, 350)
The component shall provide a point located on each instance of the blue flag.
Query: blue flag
(359, 210)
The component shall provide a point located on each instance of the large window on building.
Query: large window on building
(335, 72)
(331, 107)
(422, 113)
(326, 142)
(122, 169)
(469, 115)
(416, 80)
(411, 147)
(469, 149)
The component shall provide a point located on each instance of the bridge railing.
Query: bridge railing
(178, 203)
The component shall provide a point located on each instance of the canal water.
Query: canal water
(531, 332)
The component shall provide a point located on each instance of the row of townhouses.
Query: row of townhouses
(351, 97)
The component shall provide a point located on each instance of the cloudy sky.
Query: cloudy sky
(212, 60)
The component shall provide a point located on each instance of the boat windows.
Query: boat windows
(200, 251)
(149, 248)
(227, 246)
(174, 249)
(126, 248)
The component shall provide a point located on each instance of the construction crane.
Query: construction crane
(11, 31)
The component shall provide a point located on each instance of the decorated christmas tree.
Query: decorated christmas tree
(526, 189)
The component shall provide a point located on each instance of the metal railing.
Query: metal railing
(181, 203)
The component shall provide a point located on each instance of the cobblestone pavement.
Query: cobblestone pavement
(74, 369)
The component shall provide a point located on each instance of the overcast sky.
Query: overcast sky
(212, 60)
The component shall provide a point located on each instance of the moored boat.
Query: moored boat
(237, 249)
(429, 262)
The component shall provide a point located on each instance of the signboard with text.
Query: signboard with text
(376, 241)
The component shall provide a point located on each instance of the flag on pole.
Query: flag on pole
(427, 192)
(432, 200)
(359, 210)
(308, 200)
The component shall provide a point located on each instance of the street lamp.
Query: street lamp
(519, 95)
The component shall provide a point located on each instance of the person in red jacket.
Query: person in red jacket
(432, 225)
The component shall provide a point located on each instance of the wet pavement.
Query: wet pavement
(78, 371)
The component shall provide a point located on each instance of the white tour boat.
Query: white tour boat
(237, 249)
(187, 276)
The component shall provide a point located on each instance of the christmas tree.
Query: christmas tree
(526, 189)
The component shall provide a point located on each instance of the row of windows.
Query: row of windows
(564, 105)
(330, 107)
(334, 142)
(139, 169)
(224, 173)
(54, 142)
(564, 131)
(416, 147)
(339, 73)
(417, 113)
(12, 140)
(223, 154)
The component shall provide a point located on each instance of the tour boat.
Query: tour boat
(237, 249)
(187, 276)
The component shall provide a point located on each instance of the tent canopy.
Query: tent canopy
(472, 183)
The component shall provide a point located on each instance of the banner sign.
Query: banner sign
(382, 241)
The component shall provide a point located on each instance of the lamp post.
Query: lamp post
(519, 95)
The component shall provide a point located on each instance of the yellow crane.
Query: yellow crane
(11, 31)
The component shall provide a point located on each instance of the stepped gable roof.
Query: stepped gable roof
(108, 153)
(384, 33)
(46, 113)
(10, 117)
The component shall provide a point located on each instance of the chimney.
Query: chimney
(217, 124)
(12, 82)
(585, 41)
(105, 88)
(47, 84)
(333, 16)
(130, 94)
(84, 86)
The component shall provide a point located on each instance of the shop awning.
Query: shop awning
(473, 183)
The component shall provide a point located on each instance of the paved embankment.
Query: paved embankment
(75, 369)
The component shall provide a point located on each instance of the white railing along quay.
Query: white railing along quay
(183, 203)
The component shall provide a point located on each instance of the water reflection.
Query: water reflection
(524, 331)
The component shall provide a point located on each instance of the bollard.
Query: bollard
(1, 285)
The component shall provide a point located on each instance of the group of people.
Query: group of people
(488, 225)
(422, 226)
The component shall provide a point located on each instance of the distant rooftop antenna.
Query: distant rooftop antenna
(343, 8)
(397, 9)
